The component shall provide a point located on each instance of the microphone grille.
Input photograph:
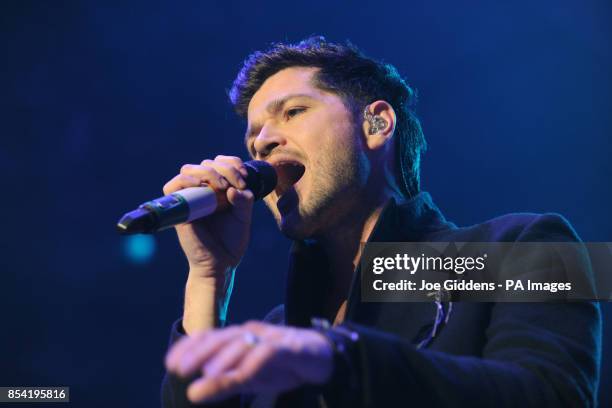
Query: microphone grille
(261, 178)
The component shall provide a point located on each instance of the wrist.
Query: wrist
(208, 273)
(207, 300)
(208, 283)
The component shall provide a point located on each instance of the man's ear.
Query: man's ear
(378, 124)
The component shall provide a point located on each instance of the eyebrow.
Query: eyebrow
(274, 107)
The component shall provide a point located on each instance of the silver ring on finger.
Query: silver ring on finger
(251, 339)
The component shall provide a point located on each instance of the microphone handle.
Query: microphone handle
(194, 202)
(179, 207)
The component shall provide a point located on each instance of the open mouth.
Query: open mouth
(288, 173)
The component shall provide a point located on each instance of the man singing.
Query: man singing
(340, 131)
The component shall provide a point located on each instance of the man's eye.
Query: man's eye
(291, 112)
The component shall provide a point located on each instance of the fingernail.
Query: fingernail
(241, 183)
(244, 171)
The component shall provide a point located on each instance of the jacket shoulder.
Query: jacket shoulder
(526, 227)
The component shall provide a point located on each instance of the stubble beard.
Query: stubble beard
(334, 187)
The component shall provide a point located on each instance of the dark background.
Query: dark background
(101, 103)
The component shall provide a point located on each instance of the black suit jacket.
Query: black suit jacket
(488, 354)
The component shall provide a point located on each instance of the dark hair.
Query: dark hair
(357, 79)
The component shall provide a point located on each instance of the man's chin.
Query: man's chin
(289, 218)
(293, 226)
(297, 219)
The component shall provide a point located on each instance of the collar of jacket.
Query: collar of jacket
(407, 221)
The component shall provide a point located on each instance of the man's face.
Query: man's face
(309, 136)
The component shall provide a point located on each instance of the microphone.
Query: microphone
(194, 202)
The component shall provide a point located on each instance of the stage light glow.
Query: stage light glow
(139, 249)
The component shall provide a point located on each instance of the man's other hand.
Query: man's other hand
(250, 358)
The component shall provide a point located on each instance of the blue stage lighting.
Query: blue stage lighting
(139, 249)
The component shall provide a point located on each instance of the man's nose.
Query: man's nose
(267, 140)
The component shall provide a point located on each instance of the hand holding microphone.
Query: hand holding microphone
(210, 204)
(224, 187)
